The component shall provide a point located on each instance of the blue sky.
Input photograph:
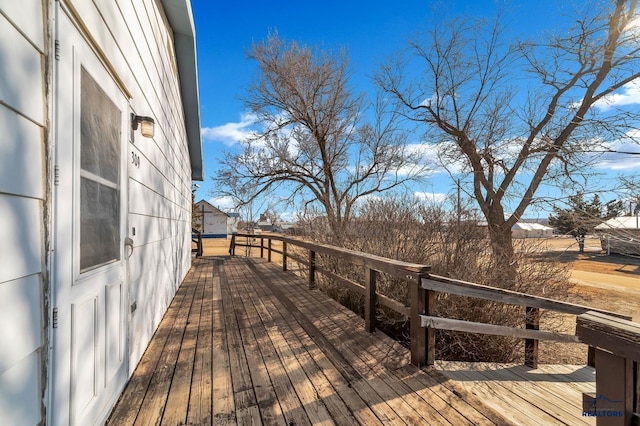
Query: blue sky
(371, 31)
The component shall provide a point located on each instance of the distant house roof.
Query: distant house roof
(622, 222)
(527, 226)
(181, 20)
(210, 208)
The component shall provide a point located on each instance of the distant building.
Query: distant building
(212, 222)
(531, 230)
(265, 224)
(524, 229)
(620, 235)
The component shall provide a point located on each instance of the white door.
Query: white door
(89, 339)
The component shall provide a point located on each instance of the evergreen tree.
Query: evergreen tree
(582, 216)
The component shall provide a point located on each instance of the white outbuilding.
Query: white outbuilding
(212, 222)
(531, 230)
(620, 235)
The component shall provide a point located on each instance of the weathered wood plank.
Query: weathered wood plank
(531, 345)
(497, 330)
(200, 403)
(180, 390)
(303, 358)
(323, 389)
(382, 264)
(478, 291)
(515, 387)
(249, 323)
(249, 416)
(291, 406)
(310, 393)
(432, 409)
(562, 383)
(305, 391)
(403, 402)
(516, 408)
(240, 375)
(363, 387)
(619, 336)
(130, 402)
(223, 402)
(157, 393)
(358, 288)
(337, 372)
(369, 300)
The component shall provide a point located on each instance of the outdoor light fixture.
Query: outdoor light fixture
(146, 125)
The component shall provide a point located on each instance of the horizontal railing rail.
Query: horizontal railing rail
(423, 288)
(532, 304)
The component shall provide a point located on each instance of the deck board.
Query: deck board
(245, 343)
(550, 394)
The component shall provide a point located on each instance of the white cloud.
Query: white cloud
(629, 94)
(433, 197)
(627, 157)
(231, 133)
(289, 216)
(225, 203)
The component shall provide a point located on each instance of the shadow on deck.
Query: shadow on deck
(245, 343)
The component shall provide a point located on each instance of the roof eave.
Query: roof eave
(181, 20)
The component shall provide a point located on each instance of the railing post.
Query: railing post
(261, 247)
(615, 382)
(284, 255)
(232, 246)
(591, 356)
(370, 300)
(269, 250)
(423, 339)
(531, 345)
(617, 343)
(312, 269)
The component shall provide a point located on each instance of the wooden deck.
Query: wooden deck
(245, 343)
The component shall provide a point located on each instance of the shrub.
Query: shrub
(405, 229)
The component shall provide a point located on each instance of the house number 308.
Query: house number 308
(135, 159)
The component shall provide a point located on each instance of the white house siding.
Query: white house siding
(135, 38)
(22, 198)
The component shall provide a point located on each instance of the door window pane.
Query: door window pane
(100, 171)
(99, 224)
(99, 131)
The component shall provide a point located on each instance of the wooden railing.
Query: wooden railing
(617, 343)
(423, 288)
(531, 333)
(198, 241)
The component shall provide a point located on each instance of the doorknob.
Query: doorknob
(128, 242)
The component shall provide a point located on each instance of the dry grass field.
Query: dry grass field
(599, 280)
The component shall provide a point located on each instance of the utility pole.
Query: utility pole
(458, 206)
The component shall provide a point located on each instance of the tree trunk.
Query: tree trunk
(503, 259)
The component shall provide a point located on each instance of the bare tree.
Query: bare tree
(629, 191)
(515, 115)
(316, 145)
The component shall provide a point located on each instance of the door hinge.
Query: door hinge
(56, 175)
(54, 319)
(57, 50)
